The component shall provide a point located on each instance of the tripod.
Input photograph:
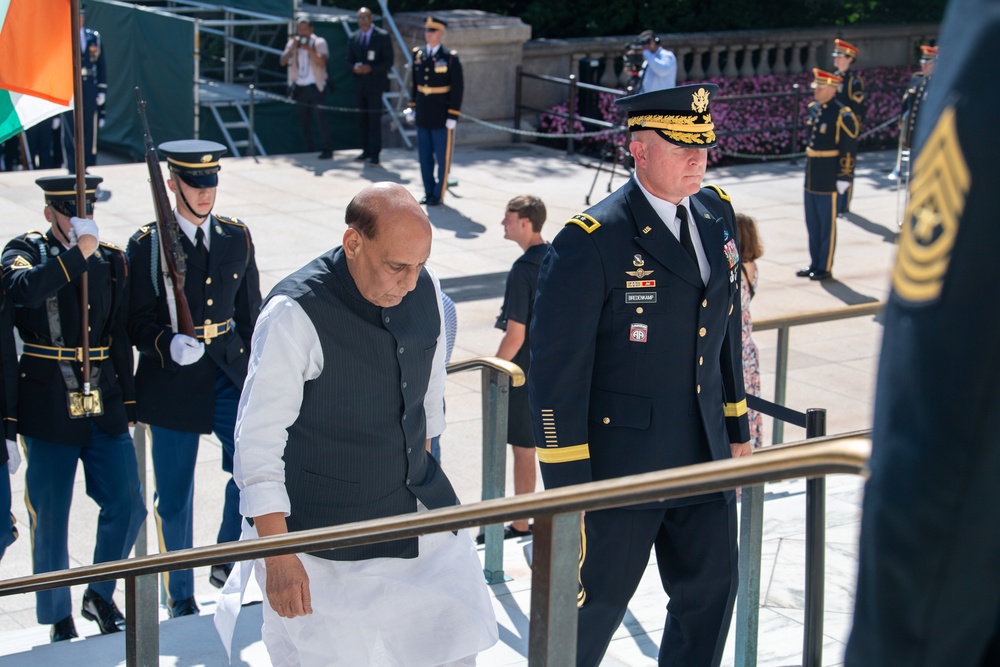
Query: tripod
(615, 155)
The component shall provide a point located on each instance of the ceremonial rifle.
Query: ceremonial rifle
(173, 259)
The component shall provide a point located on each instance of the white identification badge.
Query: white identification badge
(371, 55)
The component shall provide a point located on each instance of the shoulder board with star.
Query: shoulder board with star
(143, 232)
(230, 221)
(719, 191)
(584, 222)
(110, 246)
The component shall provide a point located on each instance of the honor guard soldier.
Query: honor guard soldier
(188, 386)
(928, 584)
(645, 287)
(62, 418)
(830, 158)
(437, 99)
(95, 88)
(916, 93)
(850, 93)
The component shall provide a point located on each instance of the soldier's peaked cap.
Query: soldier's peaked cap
(434, 23)
(681, 115)
(842, 48)
(196, 162)
(63, 188)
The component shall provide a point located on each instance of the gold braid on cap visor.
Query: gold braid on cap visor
(678, 128)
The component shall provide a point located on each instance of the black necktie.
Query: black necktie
(686, 234)
(364, 41)
(199, 246)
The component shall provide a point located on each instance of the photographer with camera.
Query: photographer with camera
(305, 56)
(660, 70)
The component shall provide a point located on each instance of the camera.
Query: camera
(632, 57)
(303, 40)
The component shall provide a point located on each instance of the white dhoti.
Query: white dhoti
(411, 612)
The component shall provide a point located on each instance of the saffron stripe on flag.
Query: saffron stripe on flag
(19, 112)
(36, 48)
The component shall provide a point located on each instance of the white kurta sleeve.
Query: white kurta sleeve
(434, 399)
(284, 354)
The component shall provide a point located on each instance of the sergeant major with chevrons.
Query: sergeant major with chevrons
(188, 386)
(636, 366)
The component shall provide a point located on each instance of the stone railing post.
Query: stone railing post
(812, 57)
(731, 72)
(681, 54)
(780, 66)
(764, 67)
(697, 72)
(748, 51)
(713, 62)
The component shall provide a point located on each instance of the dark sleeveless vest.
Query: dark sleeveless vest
(357, 450)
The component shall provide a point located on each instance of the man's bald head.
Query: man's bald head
(387, 242)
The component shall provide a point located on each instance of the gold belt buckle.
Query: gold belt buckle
(83, 405)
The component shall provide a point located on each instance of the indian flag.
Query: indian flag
(36, 80)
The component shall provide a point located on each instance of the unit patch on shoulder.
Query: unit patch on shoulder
(941, 180)
(20, 263)
(585, 222)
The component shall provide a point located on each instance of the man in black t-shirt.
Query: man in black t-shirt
(522, 223)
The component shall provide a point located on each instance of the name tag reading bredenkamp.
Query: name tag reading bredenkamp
(640, 297)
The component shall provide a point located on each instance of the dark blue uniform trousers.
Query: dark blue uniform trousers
(112, 479)
(7, 531)
(174, 456)
(696, 554)
(821, 224)
(432, 146)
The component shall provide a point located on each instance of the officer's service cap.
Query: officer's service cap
(433, 23)
(196, 162)
(842, 48)
(824, 78)
(680, 115)
(928, 53)
(60, 192)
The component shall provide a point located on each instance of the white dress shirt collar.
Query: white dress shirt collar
(668, 214)
(189, 229)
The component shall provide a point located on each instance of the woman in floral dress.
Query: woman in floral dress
(750, 250)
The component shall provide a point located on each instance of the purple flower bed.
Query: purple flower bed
(770, 118)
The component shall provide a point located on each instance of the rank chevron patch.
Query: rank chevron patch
(937, 198)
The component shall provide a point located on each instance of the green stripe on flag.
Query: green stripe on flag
(10, 124)
(19, 112)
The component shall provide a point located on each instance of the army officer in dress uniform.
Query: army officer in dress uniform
(850, 93)
(437, 99)
(636, 366)
(830, 158)
(189, 386)
(63, 423)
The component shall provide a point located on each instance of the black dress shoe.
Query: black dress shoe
(185, 607)
(509, 533)
(820, 275)
(325, 155)
(804, 273)
(363, 156)
(63, 630)
(373, 160)
(219, 574)
(430, 201)
(106, 614)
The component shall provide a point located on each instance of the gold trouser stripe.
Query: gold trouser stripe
(735, 409)
(812, 152)
(833, 231)
(32, 516)
(449, 146)
(159, 525)
(563, 454)
(581, 594)
(433, 90)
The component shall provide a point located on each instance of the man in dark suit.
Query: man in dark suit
(95, 88)
(831, 155)
(636, 366)
(369, 57)
(63, 420)
(188, 386)
(437, 99)
(928, 583)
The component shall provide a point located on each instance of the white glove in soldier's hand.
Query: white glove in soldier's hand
(185, 350)
(13, 457)
(82, 227)
(842, 186)
(100, 99)
(451, 123)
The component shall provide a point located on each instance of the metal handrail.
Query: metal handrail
(835, 455)
(783, 325)
(496, 363)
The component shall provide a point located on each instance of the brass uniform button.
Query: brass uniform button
(702, 331)
(704, 303)
(209, 302)
(208, 281)
(235, 276)
(606, 420)
(698, 389)
(701, 361)
(639, 310)
(208, 321)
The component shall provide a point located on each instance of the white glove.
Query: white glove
(451, 123)
(56, 123)
(185, 350)
(100, 123)
(101, 97)
(82, 227)
(131, 432)
(842, 186)
(13, 457)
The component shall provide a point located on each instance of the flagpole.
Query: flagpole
(81, 183)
